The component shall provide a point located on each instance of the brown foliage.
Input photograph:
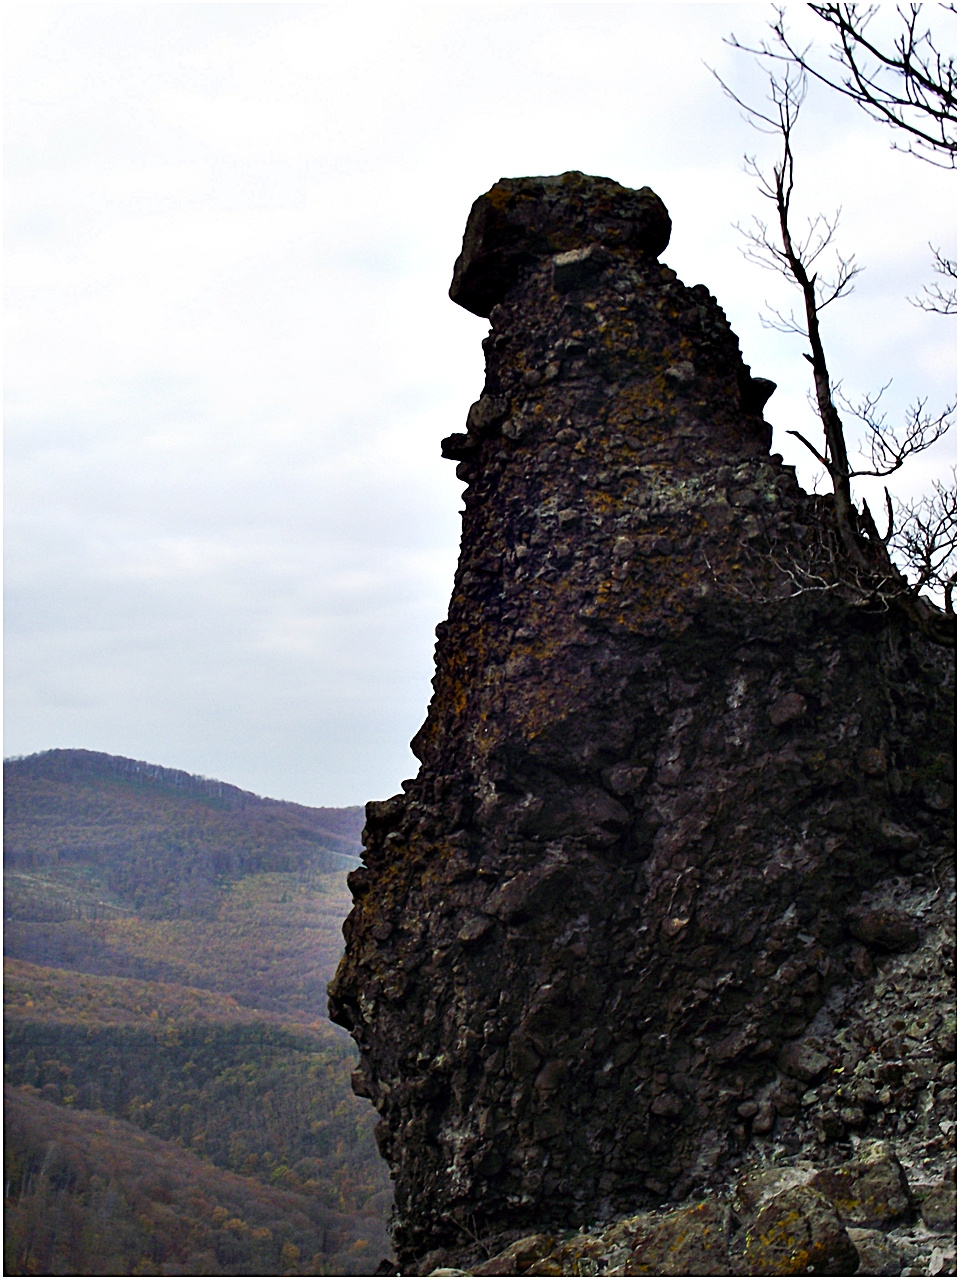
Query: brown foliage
(90, 1195)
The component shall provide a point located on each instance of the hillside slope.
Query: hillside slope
(92, 1195)
(163, 842)
(168, 942)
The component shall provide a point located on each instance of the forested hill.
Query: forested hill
(158, 841)
(168, 942)
(78, 766)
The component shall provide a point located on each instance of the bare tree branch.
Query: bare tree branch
(942, 301)
(795, 260)
(908, 86)
(888, 449)
(816, 453)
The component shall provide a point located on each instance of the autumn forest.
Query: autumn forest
(176, 1101)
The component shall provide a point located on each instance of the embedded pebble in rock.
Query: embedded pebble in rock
(603, 955)
(889, 930)
(942, 1263)
(804, 1060)
(938, 1206)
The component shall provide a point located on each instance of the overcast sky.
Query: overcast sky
(231, 356)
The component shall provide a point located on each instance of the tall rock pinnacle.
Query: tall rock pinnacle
(662, 762)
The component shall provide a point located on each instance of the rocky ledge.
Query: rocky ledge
(683, 800)
(886, 1207)
(859, 1218)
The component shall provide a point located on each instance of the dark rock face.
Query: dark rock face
(591, 937)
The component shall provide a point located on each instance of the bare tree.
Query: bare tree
(812, 264)
(926, 540)
(905, 83)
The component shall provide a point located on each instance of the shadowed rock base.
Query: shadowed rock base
(596, 942)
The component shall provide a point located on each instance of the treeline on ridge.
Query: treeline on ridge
(153, 847)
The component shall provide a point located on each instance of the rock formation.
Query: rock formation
(597, 941)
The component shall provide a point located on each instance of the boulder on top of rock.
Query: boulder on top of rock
(522, 219)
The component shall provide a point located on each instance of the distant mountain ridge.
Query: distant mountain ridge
(79, 764)
(124, 835)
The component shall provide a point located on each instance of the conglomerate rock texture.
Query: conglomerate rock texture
(664, 767)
